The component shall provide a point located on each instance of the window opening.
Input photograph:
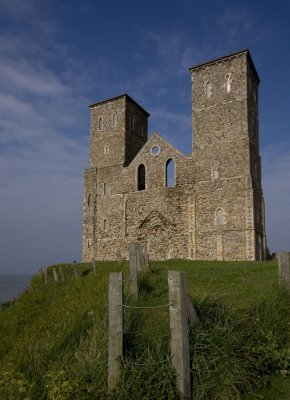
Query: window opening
(105, 225)
(228, 83)
(115, 120)
(100, 123)
(141, 177)
(215, 173)
(208, 90)
(89, 200)
(106, 150)
(104, 188)
(155, 150)
(219, 216)
(170, 173)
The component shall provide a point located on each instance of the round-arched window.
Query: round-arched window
(220, 216)
(155, 150)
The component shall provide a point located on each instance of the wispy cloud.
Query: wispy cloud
(41, 157)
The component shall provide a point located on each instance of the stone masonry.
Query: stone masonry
(212, 208)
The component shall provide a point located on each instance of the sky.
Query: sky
(58, 57)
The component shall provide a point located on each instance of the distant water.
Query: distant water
(12, 285)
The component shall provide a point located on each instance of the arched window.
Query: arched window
(141, 177)
(105, 225)
(89, 200)
(208, 90)
(100, 124)
(215, 173)
(228, 83)
(170, 173)
(104, 188)
(219, 216)
(106, 150)
(115, 120)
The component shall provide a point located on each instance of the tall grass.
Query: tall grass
(53, 339)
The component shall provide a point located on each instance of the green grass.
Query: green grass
(53, 339)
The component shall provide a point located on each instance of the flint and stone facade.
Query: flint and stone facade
(213, 209)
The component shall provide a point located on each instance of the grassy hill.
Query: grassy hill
(53, 339)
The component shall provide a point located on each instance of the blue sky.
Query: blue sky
(56, 58)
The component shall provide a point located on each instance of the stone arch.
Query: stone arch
(208, 90)
(228, 83)
(170, 173)
(215, 173)
(114, 120)
(141, 177)
(100, 123)
(219, 216)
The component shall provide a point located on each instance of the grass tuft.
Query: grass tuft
(53, 338)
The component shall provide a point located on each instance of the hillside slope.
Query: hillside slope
(53, 339)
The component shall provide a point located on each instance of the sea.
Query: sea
(12, 285)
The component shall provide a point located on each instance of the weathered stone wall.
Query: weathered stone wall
(225, 140)
(215, 209)
(119, 135)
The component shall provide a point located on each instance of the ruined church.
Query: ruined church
(207, 205)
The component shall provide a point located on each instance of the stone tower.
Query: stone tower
(226, 156)
(214, 208)
(118, 130)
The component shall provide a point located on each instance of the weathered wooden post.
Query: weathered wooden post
(119, 256)
(75, 270)
(141, 257)
(94, 268)
(55, 277)
(283, 263)
(133, 277)
(116, 313)
(146, 256)
(132, 255)
(61, 273)
(45, 274)
(178, 310)
(138, 256)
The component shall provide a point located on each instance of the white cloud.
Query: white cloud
(25, 77)
(43, 147)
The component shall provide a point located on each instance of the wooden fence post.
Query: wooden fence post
(142, 258)
(178, 310)
(94, 268)
(119, 256)
(75, 270)
(55, 277)
(133, 277)
(115, 352)
(283, 263)
(61, 274)
(132, 255)
(146, 256)
(138, 256)
(45, 274)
